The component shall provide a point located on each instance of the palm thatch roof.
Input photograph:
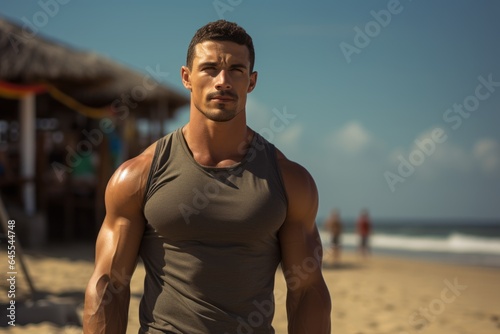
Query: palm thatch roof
(87, 77)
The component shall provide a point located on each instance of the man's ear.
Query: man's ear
(186, 77)
(253, 81)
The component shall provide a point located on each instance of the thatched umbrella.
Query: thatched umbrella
(80, 80)
(91, 79)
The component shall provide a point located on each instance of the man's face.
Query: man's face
(219, 79)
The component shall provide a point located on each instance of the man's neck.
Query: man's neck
(218, 144)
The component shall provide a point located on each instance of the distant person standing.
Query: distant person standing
(334, 226)
(364, 229)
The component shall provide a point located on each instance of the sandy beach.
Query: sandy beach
(385, 295)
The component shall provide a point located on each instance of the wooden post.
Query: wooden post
(28, 152)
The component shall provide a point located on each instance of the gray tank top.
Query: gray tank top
(210, 247)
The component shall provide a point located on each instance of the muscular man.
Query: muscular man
(212, 209)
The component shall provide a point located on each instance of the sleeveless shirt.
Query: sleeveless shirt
(210, 247)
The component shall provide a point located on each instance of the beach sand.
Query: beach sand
(386, 295)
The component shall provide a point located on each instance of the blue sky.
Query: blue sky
(357, 114)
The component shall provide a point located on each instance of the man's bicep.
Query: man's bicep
(299, 237)
(301, 245)
(301, 255)
(120, 236)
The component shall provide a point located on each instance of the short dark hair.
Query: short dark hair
(221, 30)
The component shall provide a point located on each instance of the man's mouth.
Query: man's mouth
(222, 97)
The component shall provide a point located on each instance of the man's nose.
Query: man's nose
(223, 82)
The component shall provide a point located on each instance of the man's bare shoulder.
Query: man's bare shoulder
(129, 180)
(301, 191)
(294, 175)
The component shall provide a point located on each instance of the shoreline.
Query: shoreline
(465, 259)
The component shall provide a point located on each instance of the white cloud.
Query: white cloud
(487, 153)
(440, 157)
(441, 152)
(351, 138)
(290, 136)
(431, 154)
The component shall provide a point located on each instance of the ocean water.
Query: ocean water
(471, 243)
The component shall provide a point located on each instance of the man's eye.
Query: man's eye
(237, 69)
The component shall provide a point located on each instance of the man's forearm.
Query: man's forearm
(309, 312)
(106, 309)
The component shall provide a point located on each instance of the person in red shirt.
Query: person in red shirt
(364, 230)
